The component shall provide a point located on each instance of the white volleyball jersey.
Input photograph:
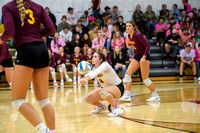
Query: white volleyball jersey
(105, 75)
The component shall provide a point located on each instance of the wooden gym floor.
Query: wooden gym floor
(177, 112)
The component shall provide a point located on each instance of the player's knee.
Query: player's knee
(43, 103)
(63, 65)
(104, 94)
(147, 82)
(127, 78)
(60, 69)
(18, 103)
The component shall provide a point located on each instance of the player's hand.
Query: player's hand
(58, 61)
(83, 81)
(143, 59)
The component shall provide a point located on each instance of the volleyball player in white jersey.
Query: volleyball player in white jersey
(112, 87)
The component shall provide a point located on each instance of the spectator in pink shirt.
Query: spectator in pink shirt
(185, 35)
(117, 41)
(197, 60)
(98, 42)
(187, 8)
(160, 30)
(56, 42)
(106, 33)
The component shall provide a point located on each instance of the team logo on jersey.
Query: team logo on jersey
(100, 75)
(132, 44)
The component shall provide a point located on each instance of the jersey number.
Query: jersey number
(32, 19)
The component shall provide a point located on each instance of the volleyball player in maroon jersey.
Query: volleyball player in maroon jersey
(89, 56)
(6, 63)
(22, 21)
(141, 59)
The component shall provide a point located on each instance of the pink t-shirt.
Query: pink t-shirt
(95, 43)
(158, 26)
(117, 43)
(189, 9)
(106, 35)
(184, 38)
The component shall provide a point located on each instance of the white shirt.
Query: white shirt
(71, 19)
(105, 75)
(66, 36)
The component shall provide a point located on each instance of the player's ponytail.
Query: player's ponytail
(21, 9)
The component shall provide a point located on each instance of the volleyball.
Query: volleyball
(84, 67)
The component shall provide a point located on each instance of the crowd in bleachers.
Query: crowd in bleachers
(175, 30)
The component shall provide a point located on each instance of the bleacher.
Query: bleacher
(159, 68)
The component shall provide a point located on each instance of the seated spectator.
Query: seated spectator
(107, 55)
(166, 17)
(76, 41)
(197, 60)
(88, 56)
(183, 15)
(160, 31)
(106, 35)
(185, 35)
(93, 33)
(198, 36)
(78, 30)
(187, 8)
(194, 42)
(164, 10)
(118, 61)
(56, 43)
(74, 60)
(194, 10)
(53, 18)
(86, 43)
(63, 24)
(66, 35)
(175, 16)
(187, 60)
(115, 29)
(84, 20)
(168, 32)
(176, 10)
(109, 23)
(117, 41)
(71, 17)
(173, 21)
(150, 17)
(187, 22)
(52, 67)
(61, 60)
(121, 24)
(84, 29)
(98, 22)
(180, 47)
(98, 42)
(91, 20)
(138, 17)
(115, 14)
(107, 14)
(171, 44)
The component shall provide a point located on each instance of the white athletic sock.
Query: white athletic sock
(40, 127)
(54, 81)
(154, 93)
(61, 80)
(79, 77)
(66, 76)
(127, 92)
(74, 79)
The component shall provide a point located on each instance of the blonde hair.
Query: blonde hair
(120, 53)
(22, 10)
(115, 37)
